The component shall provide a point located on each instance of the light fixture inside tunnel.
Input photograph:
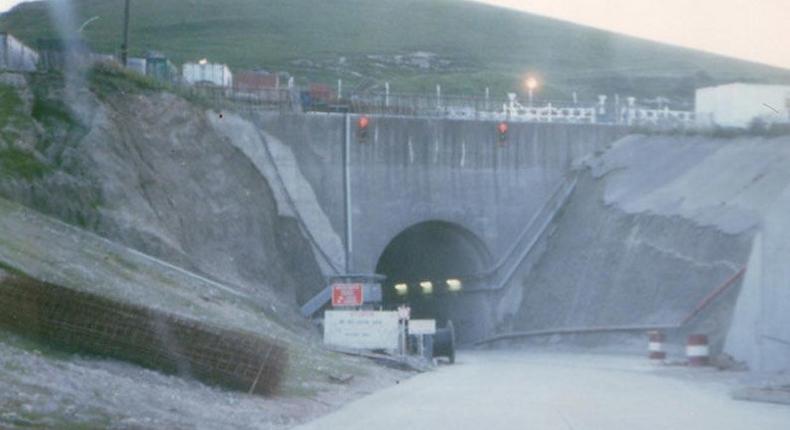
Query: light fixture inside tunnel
(454, 284)
(401, 289)
(427, 287)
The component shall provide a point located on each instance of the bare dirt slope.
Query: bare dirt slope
(157, 173)
(147, 202)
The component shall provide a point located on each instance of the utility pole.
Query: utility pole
(125, 45)
(347, 190)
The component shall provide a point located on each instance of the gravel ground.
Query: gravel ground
(47, 389)
(40, 388)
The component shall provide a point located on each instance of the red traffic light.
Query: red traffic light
(501, 129)
(363, 122)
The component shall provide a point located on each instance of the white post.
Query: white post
(601, 104)
(339, 88)
(386, 94)
(488, 94)
(438, 95)
(347, 192)
(511, 107)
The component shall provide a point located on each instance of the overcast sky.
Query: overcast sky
(757, 30)
(7, 4)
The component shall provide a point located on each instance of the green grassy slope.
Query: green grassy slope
(479, 45)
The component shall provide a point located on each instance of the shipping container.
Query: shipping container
(255, 81)
(14, 55)
(738, 105)
(205, 73)
(54, 53)
(160, 68)
(321, 93)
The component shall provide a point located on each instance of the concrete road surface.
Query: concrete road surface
(529, 390)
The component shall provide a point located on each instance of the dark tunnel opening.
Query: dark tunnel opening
(432, 252)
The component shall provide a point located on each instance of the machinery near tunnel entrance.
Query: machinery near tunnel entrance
(358, 321)
(436, 268)
(429, 267)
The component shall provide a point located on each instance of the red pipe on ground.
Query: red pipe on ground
(712, 296)
(707, 300)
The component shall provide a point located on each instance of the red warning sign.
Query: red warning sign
(347, 294)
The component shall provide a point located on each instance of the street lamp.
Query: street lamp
(531, 84)
(125, 45)
(85, 24)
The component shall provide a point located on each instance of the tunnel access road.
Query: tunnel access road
(498, 390)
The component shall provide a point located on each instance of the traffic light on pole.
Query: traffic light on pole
(362, 129)
(501, 129)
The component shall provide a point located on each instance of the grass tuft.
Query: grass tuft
(17, 163)
(106, 79)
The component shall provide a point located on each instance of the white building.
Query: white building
(739, 104)
(14, 55)
(203, 72)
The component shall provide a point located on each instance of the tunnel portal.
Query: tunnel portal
(432, 252)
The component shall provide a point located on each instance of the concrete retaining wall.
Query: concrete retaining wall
(603, 267)
(414, 170)
(655, 225)
(760, 331)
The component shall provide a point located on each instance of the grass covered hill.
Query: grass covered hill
(414, 44)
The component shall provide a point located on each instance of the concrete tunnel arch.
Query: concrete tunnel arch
(432, 251)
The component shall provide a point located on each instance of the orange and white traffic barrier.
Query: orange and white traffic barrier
(697, 350)
(656, 346)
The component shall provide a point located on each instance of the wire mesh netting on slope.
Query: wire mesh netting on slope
(87, 323)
